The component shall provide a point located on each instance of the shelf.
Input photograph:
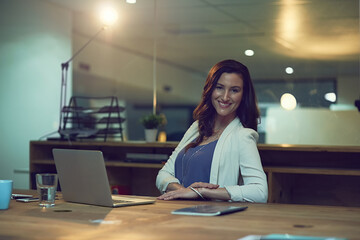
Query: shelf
(319, 171)
(43, 162)
(111, 164)
(318, 175)
(103, 121)
(134, 165)
(105, 109)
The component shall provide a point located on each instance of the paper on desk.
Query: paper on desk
(287, 236)
(251, 237)
(103, 221)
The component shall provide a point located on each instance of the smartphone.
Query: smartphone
(17, 196)
(31, 199)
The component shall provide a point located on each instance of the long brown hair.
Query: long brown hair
(205, 113)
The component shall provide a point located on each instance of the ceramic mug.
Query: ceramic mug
(5, 193)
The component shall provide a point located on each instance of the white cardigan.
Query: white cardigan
(235, 165)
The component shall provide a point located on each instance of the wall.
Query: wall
(35, 39)
(348, 91)
(313, 126)
(338, 125)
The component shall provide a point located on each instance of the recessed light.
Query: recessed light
(249, 52)
(131, 1)
(289, 70)
(331, 97)
(288, 101)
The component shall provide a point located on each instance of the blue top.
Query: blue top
(195, 164)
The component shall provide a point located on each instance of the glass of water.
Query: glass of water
(46, 184)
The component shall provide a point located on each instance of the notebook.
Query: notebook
(83, 179)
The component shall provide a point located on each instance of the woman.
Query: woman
(218, 158)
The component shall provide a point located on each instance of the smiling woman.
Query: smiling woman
(217, 157)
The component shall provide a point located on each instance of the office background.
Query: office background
(38, 35)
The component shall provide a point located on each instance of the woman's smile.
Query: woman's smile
(227, 95)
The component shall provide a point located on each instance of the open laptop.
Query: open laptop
(83, 179)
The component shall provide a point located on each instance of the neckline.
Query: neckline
(208, 143)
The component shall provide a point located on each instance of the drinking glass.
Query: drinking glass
(46, 186)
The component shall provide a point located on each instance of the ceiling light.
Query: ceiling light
(108, 16)
(131, 1)
(249, 52)
(288, 101)
(289, 70)
(331, 97)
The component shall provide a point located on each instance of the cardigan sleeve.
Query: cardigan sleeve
(167, 174)
(252, 185)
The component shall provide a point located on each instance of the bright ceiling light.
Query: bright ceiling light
(289, 70)
(131, 1)
(249, 52)
(331, 97)
(288, 101)
(108, 16)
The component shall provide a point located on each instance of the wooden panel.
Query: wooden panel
(320, 171)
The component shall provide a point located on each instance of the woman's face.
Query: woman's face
(227, 95)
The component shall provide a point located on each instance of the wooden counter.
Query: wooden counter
(299, 174)
(77, 221)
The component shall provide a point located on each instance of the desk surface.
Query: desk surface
(78, 221)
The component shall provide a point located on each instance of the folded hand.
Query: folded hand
(204, 185)
(184, 193)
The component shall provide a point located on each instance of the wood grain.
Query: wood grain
(77, 221)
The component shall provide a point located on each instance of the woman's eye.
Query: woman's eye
(218, 87)
(236, 90)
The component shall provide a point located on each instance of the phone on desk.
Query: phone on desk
(17, 196)
(30, 199)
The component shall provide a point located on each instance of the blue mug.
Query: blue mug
(5, 193)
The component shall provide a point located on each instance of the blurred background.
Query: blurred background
(309, 49)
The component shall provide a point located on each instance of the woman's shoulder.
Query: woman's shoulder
(195, 124)
(193, 128)
(245, 133)
(191, 131)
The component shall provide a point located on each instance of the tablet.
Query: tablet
(208, 210)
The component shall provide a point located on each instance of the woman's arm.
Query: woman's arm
(218, 194)
(252, 185)
(207, 191)
(174, 186)
(188, 193)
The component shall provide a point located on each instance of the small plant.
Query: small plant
(153, 121)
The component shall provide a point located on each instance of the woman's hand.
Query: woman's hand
(204, 185)
(184, 193)
(176, 191)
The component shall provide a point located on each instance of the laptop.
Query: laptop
(83, 179)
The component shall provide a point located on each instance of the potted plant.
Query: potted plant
(151, 124)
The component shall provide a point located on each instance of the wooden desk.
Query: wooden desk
(299, 174)
(78, 221)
